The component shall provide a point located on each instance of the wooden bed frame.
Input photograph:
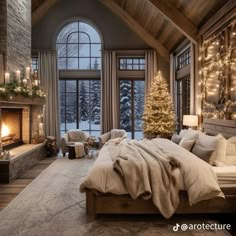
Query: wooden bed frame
(124, 204)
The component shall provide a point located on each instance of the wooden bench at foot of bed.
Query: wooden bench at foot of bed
(124, 204)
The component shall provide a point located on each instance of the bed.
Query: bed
(122, 203)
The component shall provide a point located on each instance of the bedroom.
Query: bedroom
(81, 62)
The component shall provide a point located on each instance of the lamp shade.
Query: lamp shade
(190, 120)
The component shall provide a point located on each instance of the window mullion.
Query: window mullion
(78, 104)
(132, 108)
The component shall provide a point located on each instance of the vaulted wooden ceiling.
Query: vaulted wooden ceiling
(162, 24)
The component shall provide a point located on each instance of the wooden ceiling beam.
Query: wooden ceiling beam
(228, 8)
(40, 12)
(136, 27)
(173, 15)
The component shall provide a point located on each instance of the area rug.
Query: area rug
(53, 206)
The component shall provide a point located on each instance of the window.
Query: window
(131, 107)
(131, 63)
(183, 86)
(34, 63)
(183, 100)
(78, 47)
(184, 59)
(131, 74)
(80, 105)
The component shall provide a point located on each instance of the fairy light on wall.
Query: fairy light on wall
(218, 73)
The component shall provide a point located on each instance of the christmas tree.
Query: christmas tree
(158, 116)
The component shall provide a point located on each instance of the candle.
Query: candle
(27, 72)
(7, 77)
(30, 83)
(18, 75)
(24, 81)
(41, 132)
(36, 82)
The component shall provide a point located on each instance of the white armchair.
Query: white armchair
(114, 133)
(73, 137)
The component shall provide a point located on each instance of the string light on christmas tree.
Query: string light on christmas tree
(158, 116)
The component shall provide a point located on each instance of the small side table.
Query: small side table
(71, 149)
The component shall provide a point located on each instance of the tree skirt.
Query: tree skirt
(52, 205)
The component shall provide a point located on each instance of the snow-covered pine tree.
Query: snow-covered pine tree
(95, 102)
(158, 116)
(83, 101)
(125, 105)
(139, 103)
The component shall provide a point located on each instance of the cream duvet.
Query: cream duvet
(155, 169)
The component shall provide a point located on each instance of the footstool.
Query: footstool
(71, 151)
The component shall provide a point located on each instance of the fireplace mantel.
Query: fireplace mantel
(23, 100)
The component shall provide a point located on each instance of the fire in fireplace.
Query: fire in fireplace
(11, 127)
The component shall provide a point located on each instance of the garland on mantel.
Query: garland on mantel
(10, 90)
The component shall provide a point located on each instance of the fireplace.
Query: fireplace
(11, 127)
(19, 121)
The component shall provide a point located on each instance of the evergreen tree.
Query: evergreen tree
(158, 117)
(125, 105)
(83, 101)
(138, 103)
(95, 64)
(95, 102)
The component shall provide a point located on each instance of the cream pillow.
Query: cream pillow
(220, 150)
(231, 146)
(187, 143)
(118, 133)
(230, 158)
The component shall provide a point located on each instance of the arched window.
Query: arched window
(78, 47)
(79, 61)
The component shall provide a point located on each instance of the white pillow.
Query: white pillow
(117, 133)
(187, 143)
(230, 158)
(191, 134)
(220, 150)
(182, 132)
(209, 142)
(218, 163)
(231, 146)
(218, 144)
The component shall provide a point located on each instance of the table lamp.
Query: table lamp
(190, 120)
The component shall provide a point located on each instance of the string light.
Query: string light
(217, 59)
(158, 117)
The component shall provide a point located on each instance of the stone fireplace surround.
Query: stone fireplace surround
(27, 155)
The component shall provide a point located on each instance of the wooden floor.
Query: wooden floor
(9, 191)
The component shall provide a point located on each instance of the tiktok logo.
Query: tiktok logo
(176, 227)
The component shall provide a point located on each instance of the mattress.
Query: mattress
(226, 176)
